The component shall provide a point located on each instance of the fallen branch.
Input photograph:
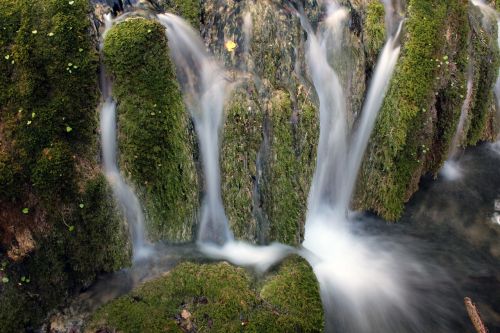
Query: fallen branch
(474, 316)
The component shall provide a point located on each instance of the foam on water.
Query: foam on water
(243, 254)
(451, 170)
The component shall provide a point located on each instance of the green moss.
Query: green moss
(294, 292)
(242, 138)
(290, 165)
(155, 145)
(86, 239)
(188, 9)
(47, 159)
(10, 20)
(98, 241)
(219, 298)
(9, 173)
(54, 173)
(13, 314)
(486, 62)
(55, 66)
(404, 129)
(374, 30)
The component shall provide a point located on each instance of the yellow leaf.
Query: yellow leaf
(230, 45)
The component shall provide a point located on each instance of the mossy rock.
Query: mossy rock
(54, 194)
(218, 298)
(155, 144)
(289, 165)
(485, 64)
(190, 10)
(54, 173)
(241, 142)
(374, 33)
(422, 107)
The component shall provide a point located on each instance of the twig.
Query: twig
(474, 316)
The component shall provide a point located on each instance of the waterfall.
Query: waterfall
(451, 169)
(123, 193)
(332, 113)
(364, 286)
(204, 87)
(339, 160)
(376, 92)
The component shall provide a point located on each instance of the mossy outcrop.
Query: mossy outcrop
(58, 224)
(422, 107)
(268, 146)
(155, 144)
(219, 298)
(374, 30)
(289, 166)
(241, 143)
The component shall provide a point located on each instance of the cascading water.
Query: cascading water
(122, 192)
(205, 86)
(451, 169)
(368, 283)
(364, 286)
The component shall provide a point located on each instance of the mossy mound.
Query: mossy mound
(156, 147)
(218, 298)
(58, 223)
(422, 107)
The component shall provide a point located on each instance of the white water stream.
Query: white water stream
(205, 88)
(126, 197)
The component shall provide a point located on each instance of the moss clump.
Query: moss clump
(218, 298)
(188, 9)
(294, 292)
(53, 174)
(406, 125)
(242, 139)
(155, 145)
(290, 165)
(374, 30)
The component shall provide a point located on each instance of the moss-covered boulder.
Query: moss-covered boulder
(155, 144)
(422, 107)
(58, 224)
(218, 298)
